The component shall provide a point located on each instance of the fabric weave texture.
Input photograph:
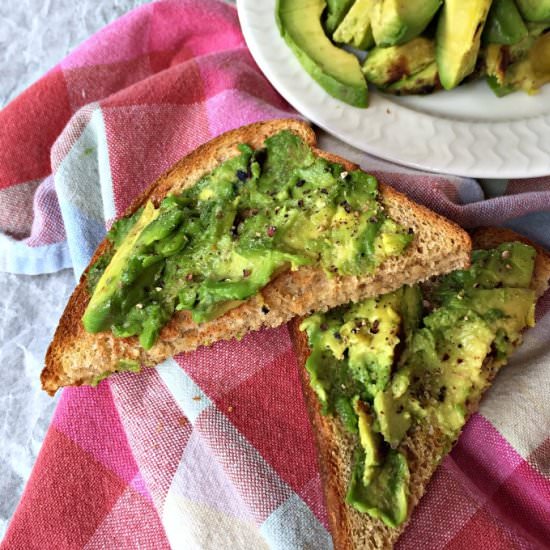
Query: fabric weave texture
(214, 449)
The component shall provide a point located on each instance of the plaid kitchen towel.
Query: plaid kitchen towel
(214, 449)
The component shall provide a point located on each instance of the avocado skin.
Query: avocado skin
(337, 71)
(458, 39)
(535, 10)
(504, 24)
(396, 22)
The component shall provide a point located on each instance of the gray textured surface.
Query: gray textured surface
(34, 36)
(29, 309)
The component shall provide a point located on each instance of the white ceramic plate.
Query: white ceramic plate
(466, 131)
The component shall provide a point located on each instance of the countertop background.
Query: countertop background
(34, 36)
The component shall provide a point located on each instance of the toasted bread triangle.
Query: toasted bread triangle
(76, 357)
(424, 447)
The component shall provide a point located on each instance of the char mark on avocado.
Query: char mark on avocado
(397, 70)
(505, 59)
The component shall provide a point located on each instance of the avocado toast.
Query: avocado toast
(248, 231)
(389, 382)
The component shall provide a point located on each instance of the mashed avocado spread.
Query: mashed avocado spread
(219, 242)
(419, 355)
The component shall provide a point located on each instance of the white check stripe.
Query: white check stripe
(517, 404)
(189, 397)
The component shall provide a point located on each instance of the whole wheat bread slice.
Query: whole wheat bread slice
(76, 357)
(424, 447)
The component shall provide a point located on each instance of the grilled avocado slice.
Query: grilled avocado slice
(458, 39)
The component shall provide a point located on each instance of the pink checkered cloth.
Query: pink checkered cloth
(214, 449)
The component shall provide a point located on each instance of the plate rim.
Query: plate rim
(309, 105)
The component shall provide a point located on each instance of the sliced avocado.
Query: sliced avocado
(446, 364)
(355, 29)
(499, 88)
(498, 57)
(336, 70)
(396, 22)
(423, 82)
(369, 439)
(97, 315)
(462, 379)
(320, 361)
(345, 224)
(528, 74)
(335, 12)
(329, 374)
(392, 414)
(371, 333)
(458, 39)
(411, 309)
(539, 55)
(508, 311)
(509, 264)
(344, 408)
(386, 496)
(535, 10)
(504, 24)
(391, 240)
(511, 309)
(384, 66)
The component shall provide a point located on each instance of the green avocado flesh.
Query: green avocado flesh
(221, 241)
(526, 70)
(423, 82)
(396, 22)
(535, 10)
(336, 70)
(355, 29)
(335, 13)
(458, 39)
(386, 66)
(413, 357)
(417, 46)
(504, 24)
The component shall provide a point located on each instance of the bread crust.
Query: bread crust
(424, 448)
(76, 357)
